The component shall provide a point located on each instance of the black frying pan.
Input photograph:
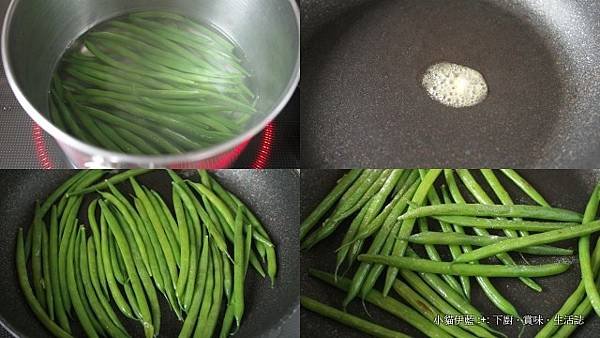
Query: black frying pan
(562, 188)
(363, 105)
(272, 194)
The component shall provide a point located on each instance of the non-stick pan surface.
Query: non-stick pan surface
(272, 194)
(363, 105)
(562, 188)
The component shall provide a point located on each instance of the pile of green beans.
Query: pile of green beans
(381, 208)
(151, 83)
(196, 253)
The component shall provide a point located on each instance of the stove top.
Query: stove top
(24, 145)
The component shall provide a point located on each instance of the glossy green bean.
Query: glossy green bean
(215, 310)
(334, 195)
(482, 210)
(28, 291)
(387, 304)
(196, 233)
(486, 285)
(78, 301)
(59, 309)
(136, 284)
(37, 273)
(512, 244)
(499, 191)
(238, 267)
(111, 281)
(388, 243)
(440, 238)
(349, 320)
(49, 295)
(89, 292)
(184, 239)
(407, 226)
(585, 259)
(115, 179)
(96, 285)
(525, 186)
(425, 265)
(171, 237)
(60, 191)
(158, 228)
(497, 224)
(206, 298)
(96, 238)
(482, 197)
(192, 316)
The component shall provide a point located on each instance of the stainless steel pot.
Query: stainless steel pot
(36, 32)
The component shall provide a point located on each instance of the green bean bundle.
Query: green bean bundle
(152, 83)
(381, 208)
(136, 249)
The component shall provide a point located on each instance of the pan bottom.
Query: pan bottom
(362, 75)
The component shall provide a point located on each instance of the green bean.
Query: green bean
(171, 237)
(184, 239)
(372, 208)
(482, 197)
(117, 261)
(131, 298)
(455, 250)
(95, 132)
(439, 302)
(196, 233)
(163, 271)
(425, 265)
(441, 238)
(88, 290)
(143, 274)
(96, 237)
(118, 178)
(334, 195)
(105, 58)
(238, 267)
(435, 256)
(73, 126)
(78, 301)
(168, 215)
(428, 310)
(116, 198)
(124, 144)
(158, 228)
(496, 224)
(227, 277)
(248, 249)
(59, 308)
(55, 116)
(349, 320)
(211, 226)
(36, 258)
(537, 239)
(46, 273)
(215, 310)
(28, 291)
(96, 286)
(486, 285)
(227, 322)
(354, 199)
(482, 210)
(388, 243)
(587, 271)
(206, 298)
(109, 272)
(131, 270)
(365, 277)
(352, 228)
(113, 74)
(407, 226)
(80, 286)
(69, 232)
(525, 186)
(500, 192)
(60, 191)
(192, 317)
(147, 147)
(387, 304)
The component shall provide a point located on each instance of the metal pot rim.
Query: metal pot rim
(112, 157)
